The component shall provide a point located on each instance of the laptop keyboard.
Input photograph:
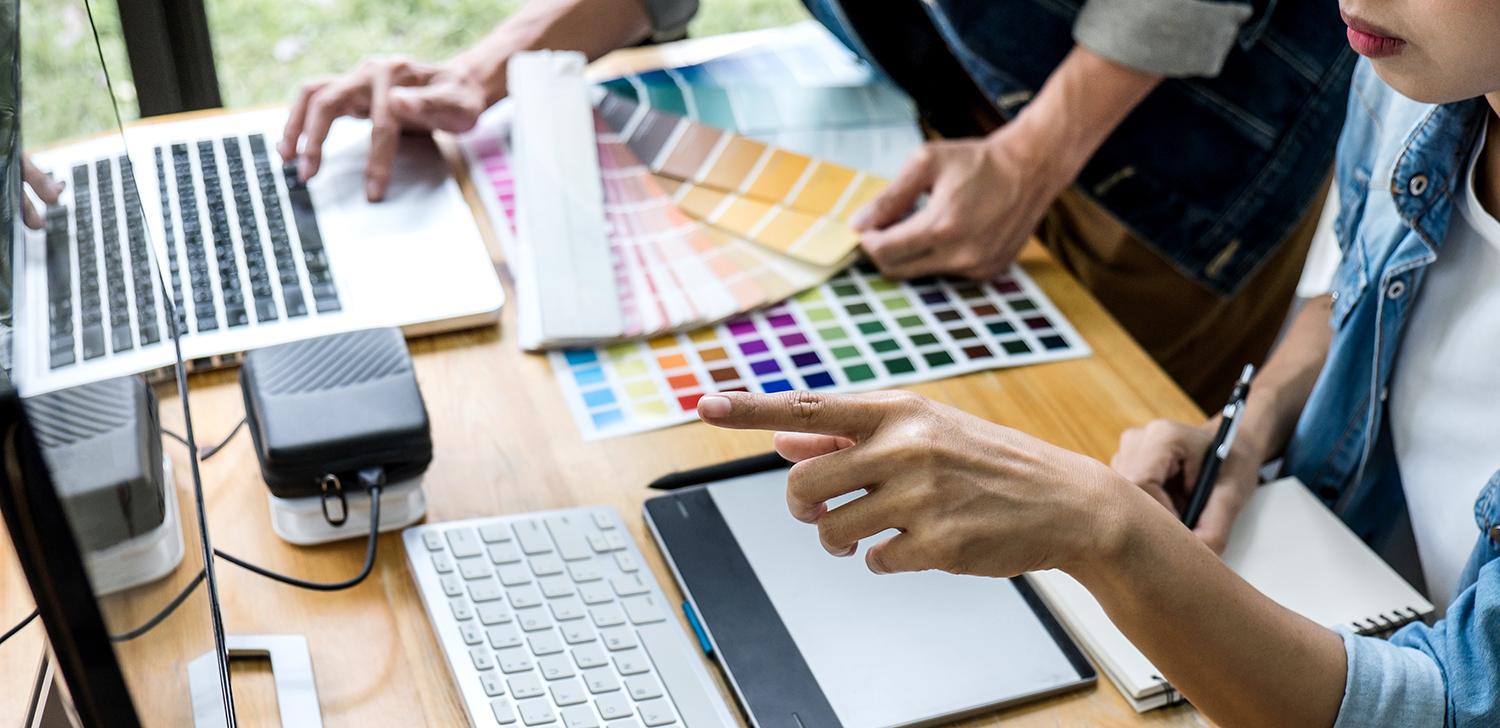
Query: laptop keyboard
(117, 296)
(549, 619)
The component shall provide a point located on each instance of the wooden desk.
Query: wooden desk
(505, 443)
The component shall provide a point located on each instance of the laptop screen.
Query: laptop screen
(80, 280)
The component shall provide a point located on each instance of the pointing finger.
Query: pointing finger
(851, 415)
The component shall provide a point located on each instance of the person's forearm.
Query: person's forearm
(1239, 657)
(1284, 383)
(1079, 106)
(594, 27)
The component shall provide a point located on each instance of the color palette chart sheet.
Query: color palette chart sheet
(856, 332)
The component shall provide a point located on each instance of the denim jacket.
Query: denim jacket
(1398, 165)
(1213, 172)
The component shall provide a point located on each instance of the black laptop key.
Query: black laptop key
(62, 352)
(295, 306)
(93, 341)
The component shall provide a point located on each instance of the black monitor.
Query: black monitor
(103, 518)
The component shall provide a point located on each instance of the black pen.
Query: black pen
(1218, 450)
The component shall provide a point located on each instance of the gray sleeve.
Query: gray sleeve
(669, 18)
(1167, 37)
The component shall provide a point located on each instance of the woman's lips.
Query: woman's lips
(1371, 41)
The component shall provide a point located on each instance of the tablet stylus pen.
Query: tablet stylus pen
(1218, 450)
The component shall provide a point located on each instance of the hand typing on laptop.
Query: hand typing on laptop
(45, 188)
(402, 95)
(395, 94)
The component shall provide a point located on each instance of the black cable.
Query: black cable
(208, 451)
(9, 633)
(374, 540)
(165, 612)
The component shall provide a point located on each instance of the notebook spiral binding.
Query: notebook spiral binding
(1385, 624)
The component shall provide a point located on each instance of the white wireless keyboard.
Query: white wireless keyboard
(552, 619)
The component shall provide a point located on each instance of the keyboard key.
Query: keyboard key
(474, 567)
(643, 687)
(613, 706)
(632, 662)
(555, 667)
(607, 615)
(576, 632)
(628, 584)
(583, 571)
(536, 712)
(452, 585)
(526, 686)
(513, 660)
(481, 658)
(524, 597)
(568, 692)
(464, 542)
(505, 553)
(493, 613)
(554, 587)
(504, 713)
(615, 539)
(442, 562)
(484, 590)
(546, 565)
(618, 638)
(599, 543)
(566, 609)
(462, 610)
(579, 717)
(493, 684)
(566, 533)
(503, 636)
(533, 537)
(534, 619)
(494, 533)
(643, 609)
(545, 643)
(626, 561)
(601, 680)
(656, 712)
(513, 574)
(595, 593)
(589, 655)
(471, 633)
(603, 519)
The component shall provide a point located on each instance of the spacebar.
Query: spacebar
(682, 672)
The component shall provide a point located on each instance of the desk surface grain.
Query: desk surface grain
(505, 443)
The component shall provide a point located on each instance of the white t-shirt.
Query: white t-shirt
(1445, 392)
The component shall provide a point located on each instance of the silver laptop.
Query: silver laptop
(247, 255)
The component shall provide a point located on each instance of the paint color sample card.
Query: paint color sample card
(729, 167)
(750, 107)
(818, 240)
(805, 54)
(857, 332)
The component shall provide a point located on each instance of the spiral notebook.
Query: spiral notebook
(1287, 545)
